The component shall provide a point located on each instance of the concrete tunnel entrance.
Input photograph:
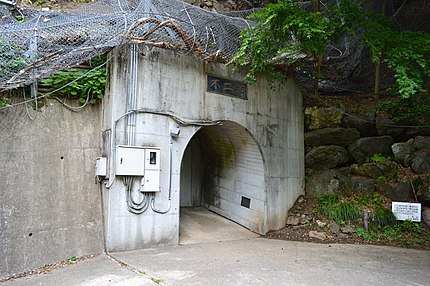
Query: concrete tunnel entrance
(222, 170)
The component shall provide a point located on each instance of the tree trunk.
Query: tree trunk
(378, 62)
(377, 77)
(315, 7)
(318, 63)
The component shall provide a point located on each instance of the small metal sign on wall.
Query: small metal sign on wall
(227, 87)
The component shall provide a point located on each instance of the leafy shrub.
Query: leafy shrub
(409, 227)
(413, 110)
(407, 56)
(378, 158)
(403, 231)
(79, 83)
(366, 235)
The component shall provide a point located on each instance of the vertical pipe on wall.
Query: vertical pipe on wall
(170, 182)
(135, 207)
(131, 96)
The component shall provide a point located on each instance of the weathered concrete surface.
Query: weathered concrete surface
(98, 271)
(258, 149)
(256, 261)
(198, 225)
(271, 262)
(50, 208)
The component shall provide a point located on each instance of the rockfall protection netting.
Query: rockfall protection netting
(47, 42)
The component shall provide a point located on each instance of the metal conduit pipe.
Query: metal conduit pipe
(135, 207)
(176, 118)
(6, 2)
(170, 182)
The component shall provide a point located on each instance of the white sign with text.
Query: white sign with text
(407, 211)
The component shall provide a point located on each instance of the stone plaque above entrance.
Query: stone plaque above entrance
(227, 87)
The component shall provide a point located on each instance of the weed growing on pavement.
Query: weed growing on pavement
(157, 280)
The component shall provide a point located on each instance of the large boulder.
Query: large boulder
(366, 147)
(414, 150)
(330, 181)
(337, 181)
(423, 195)
(331, 136)
(369, 170)
(364, 125)
(322, 117)
(361, 184)
(326, 157)
(426, 215)
(396, 190)
(403, 152)
(411, 132)
(421, 162)
(421, 142)
(386, 126)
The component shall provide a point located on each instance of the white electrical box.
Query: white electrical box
(140, 161)
(130, 161)
(152, 159)
(151, 180)
(101, 167)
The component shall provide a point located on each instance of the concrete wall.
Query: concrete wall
(233, 173)
(271, 123)
(50, 207)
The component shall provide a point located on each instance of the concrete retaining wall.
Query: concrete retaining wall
(50, 208)
(271, 123)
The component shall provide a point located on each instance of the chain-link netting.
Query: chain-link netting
(47, 42)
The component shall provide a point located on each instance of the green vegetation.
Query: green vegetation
(369, 200)
(157, 280)
(381, 222)
(378, 158)
(414, 110)
(12, 58)
(80, 84)
(383, 216)
(285, 33)
(339, 210)
(407, 233)
(408, 56)
(366, 235)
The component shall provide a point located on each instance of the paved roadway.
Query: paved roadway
(215, 251)
(255, 261)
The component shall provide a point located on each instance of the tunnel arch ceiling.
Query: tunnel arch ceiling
(223, 170)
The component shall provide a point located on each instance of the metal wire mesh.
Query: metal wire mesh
(47, 42)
